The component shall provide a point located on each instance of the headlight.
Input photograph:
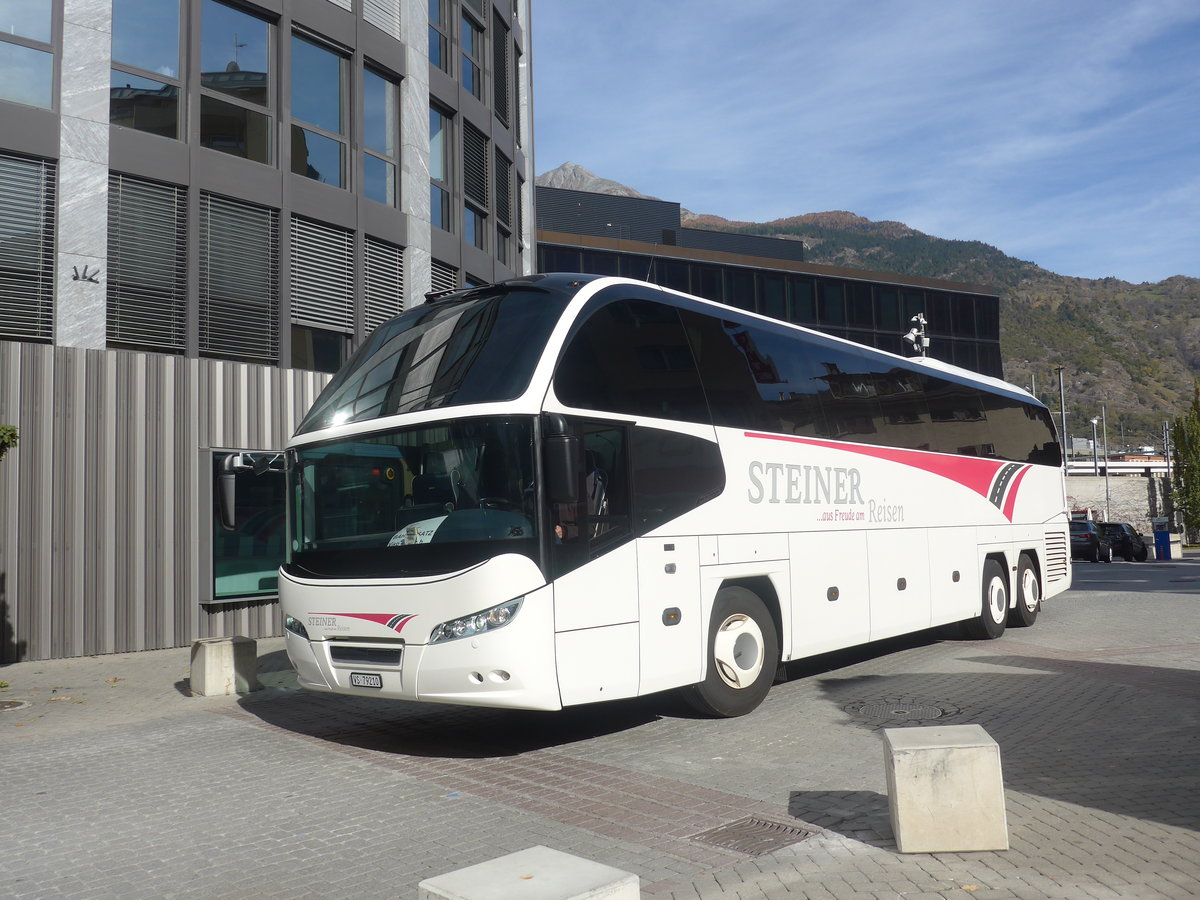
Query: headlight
(295, 626)
(476, 623)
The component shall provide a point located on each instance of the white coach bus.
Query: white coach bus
(564, 489)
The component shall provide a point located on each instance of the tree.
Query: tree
(8, 438)
(1185, 440)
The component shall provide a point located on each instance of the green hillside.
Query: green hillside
(1133, 347)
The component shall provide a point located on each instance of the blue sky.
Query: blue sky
(1066, 133)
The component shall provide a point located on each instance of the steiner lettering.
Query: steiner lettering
(786, 483)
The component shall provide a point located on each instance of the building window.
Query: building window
(501, 68)
(442, 276)
(381, 137)
(235, 82)
(475, 185)
(439, 169)
(384, 15)
(474, 227)
(322, 294)
(26, 54)
(27, 204)
(471, 36)
(317, 350)
(147, 265)
(239, 280)
(319, 102)
(145, 82)
(439, 34)
(246, 560)
(384, 282)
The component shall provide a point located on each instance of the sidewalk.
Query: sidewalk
(118, 784)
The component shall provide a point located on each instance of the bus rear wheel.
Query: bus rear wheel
(1029, 594)
(993, 615)
(743, 654)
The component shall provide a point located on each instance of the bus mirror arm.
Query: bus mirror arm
(560, 452)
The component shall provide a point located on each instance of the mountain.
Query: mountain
(1133, 347)
(572, 177)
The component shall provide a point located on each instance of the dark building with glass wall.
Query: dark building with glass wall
(205, 205)
(603, 234)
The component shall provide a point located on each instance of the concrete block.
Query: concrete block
(538, 873)
(224, 666)
(945, 789)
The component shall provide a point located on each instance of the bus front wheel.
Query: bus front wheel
(743, 654)
(993, 614)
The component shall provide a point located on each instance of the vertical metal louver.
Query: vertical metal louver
(322, 276)
(384, 282)
(147, 264)
(475, 164)
(27, 192)
(384, 15)
(239, 280)
(503, 189)
(442, 277)
(501, 68)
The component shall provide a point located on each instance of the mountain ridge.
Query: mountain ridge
(1133, 348)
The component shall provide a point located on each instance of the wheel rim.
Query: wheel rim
(997, 600)
(1029, 590)
(738, 651)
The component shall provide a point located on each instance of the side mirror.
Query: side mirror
(560, 454)
(227, 490)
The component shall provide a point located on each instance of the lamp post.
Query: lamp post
(1095, 459)
(1107, 496)
(1062, 406)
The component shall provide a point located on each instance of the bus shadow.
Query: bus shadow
(1113, 737)
(443, 731)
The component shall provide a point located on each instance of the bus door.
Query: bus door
(594, 561)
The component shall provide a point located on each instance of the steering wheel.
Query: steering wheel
(499, 503)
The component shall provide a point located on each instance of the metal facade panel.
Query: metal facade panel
(106, 502)
(604, 215)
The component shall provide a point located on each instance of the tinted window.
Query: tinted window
(672, 473)
(832, 310)
(632, 357)
(804, 304)
(858, 305)
(477, 349)
(755, 378)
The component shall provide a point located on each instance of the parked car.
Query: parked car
(1126, 540)
(1090, 541)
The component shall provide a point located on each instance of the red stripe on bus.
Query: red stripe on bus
(971, 472)
(1010, 501)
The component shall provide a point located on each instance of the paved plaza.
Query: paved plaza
(116, 783)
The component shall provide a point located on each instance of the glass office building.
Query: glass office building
(602, 234)
(205, 205)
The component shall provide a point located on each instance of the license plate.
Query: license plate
(366, 679)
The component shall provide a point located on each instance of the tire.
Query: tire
(1141, 555)
(1109, 555)
(993, 612)
(1095, 557)
(1029, 595)
(743, 654)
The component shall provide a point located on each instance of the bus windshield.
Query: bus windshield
(477, 348)
(414, 501)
